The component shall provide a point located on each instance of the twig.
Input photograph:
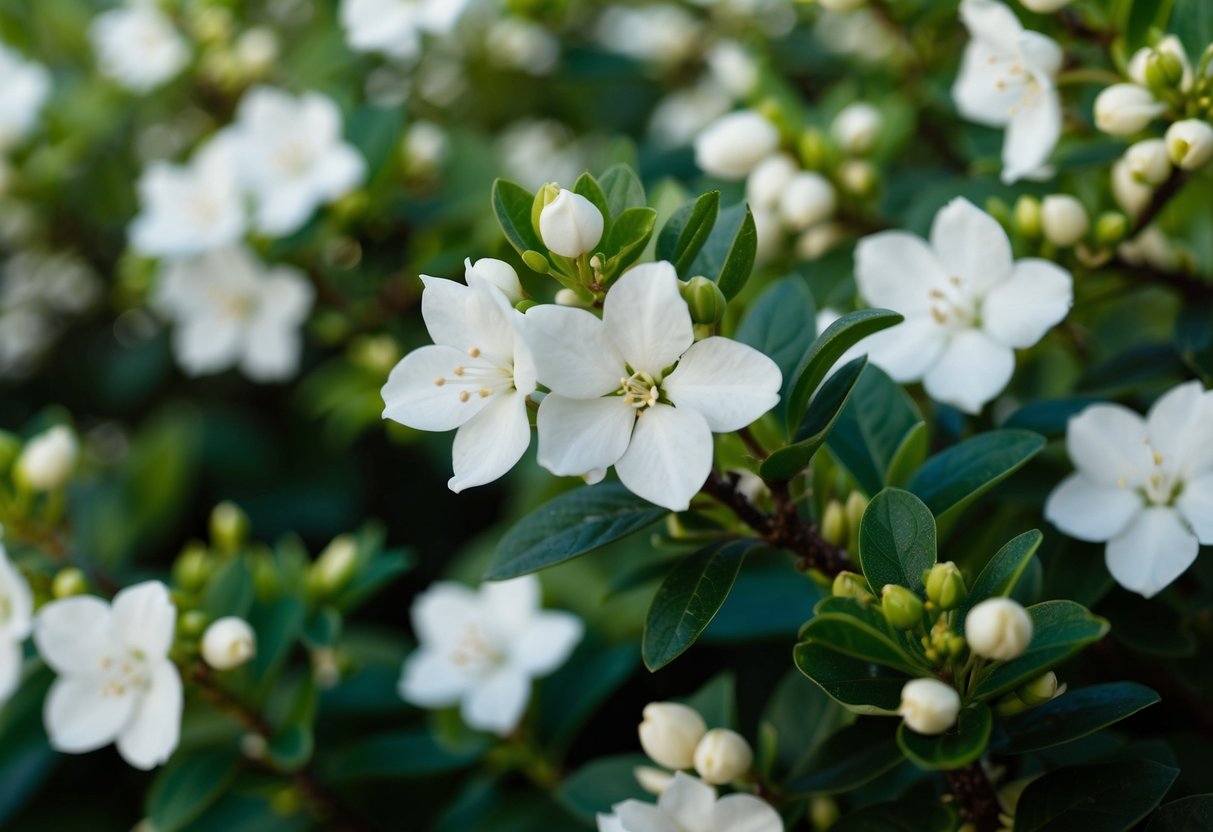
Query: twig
(976, 796)
(1162, 196)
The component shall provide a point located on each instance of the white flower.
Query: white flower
(1006, 80)
(723, 756)
(481, 649)
(257, 49)
(734, 145)
(394, 27)
(929, 706)
(24, 89)
(228, 642)
(968, 305)
(230, 310)
(733, 67)
(570, 225)
(684, 114)
(856, 127)
(116, 682)
(690, 805)
(1143, 485)
(16, 617)
(663, 34)
(1124, 109)
(515, 43)
(1063, 219)
(807, 199)
(1149, 161)
(475, 377)
(998, 628)
(1190, 143)
(767, 181)
(1130, 194)
(616, 401)
(47, 460)
(137, 47)
(292, 157)
(186, 210)
(425, 147)
(670, 732)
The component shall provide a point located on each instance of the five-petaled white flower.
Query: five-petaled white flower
(967, 304)
(16, 619)
(186, 210)
(230, 310)
(394, 27)
(690, 805)
(291, 156)
(1143, 485)
(24, 88)
(475, 377)
(137, 46)
(480, 649)
(1006, 80)
(635, 390)
(116, 682)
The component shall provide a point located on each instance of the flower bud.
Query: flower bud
(1063, 219)
(857, 176)
(856, 127)
(192, 623)
(1190, 143)
(653, 780)
(1044, 6)
(1027, 216)
(229, 527)
(834, 523)
(722, 756)
(901, 607)
(929, 706)
(229, 642)
(767, 181)
(823, 811)
(567, 297)
(807, 200)
(570, 225)
(851, 585)
(1038, 691)
(1111, 228)
(812, 148)
(670, 732)
(496, 272)
(335, 566)
(733, 146)
(1149, 162)
(536, 262)
(704, 299)
(998, 628)
(257, 49)
(69, 582)
(857, 504)
(1132, 196)
(945, 586)
(1124, 109)
(47, 460)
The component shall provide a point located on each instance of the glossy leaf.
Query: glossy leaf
(1072, 716)
(1106, 797)
(851, 757)
(861, 687)
(187, 786)
(622, 188)
(684, 233)
(512, 206)
(1188, 814)
(949, 481)
(1060, 629)
(738, 261)
(600, 784)
(858, 629)
(964, 743)
(815, 428)
(629, 235)
(872, 428)
(775, 325)
(1049, 418)
(908, 457)
(896, 540)
(409, 753)
(1001, 574)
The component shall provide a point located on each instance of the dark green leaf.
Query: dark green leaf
(1001, 574)
(861, 687)
(1059, 630)
(383, 568)
(600, 784)
(908, 457)
(1188, 814)
(230, 590)
(955, 748)
(1144, 15)
(899, 816)
(375, 131)
(512, 206)
(872, 428)
(1072, 716)
(414, 753)
(859, 630)
(775, 325)
(802, 718)
(1192, 20)
(1108, 797)
(949, 481)
(896, 540)
(818, 421)
(851, 757)
(732, 241)
(623, 190)
(1049, 418)
(687, 230)
(739, 260)
(187, 786)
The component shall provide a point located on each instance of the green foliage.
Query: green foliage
(1108, 797)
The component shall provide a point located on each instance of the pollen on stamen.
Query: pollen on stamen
(474, 352)
(955, 280)
(458, 371)
(438, 382)
(939, 317)
(464, 395)
(1120, 483)
(484, 392)
(1157, 458)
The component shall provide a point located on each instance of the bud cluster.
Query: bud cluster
(675, 736)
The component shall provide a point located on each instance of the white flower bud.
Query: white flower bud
(1169, 45)
(47, 460)
(733, 68)
(998, 628)
(1063, 219)
(722, 756)
(807, 200)
(424, 148)
(567, 297)
(857, 176)
(733, 146)
(1149, 162)
(1132, 196)
(929, 706)
(570, 225)
(856, 127)
(670, 732)
(257, 49)
(819, 239)
(497, 272)
(228, 642)
(1044, 6)
(768, 180)
(653, 780)
(1190, 143)
(1124, 109)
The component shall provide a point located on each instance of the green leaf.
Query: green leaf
(1049, 418)
(957, 747)
(825, 351)
(1106, 797)
(383, 568)
(1188, 814)
(588, 187)
(1001, 574)
(853, 756)
(818, 421)
(775, 325)
(600, 784)
(1143, 16)
(629, 235)
(688, 599)
(230, 590)
(1192, 20)
(684, 233)
(949, 481)
(187, 786)
(739, 259)
(410, 753)
(861, 687)
(622, 188)
(1072, 716)
(859, 630)
(899, 816)
(872, 428)
(1059, 630)
(896, 540)
(802, 718)
(908, 457)
(571, 525)
(277, 626)
(291, 748)
(512, 206)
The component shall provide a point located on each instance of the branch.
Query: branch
(976, 796)
(1162, 196)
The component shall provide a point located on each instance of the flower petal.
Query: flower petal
(151, 736)
(647, 318)
(573, 354)
(897, 270)
(207, 344)
(145, 619)
(546, 643)
(441, 614)
(993, 23)
(1180, 427)
(468, 317)
(690, 802)
(972, 370)
(610, 823)
(11, 660)
(971, 246)
(73, 634)
(431, 680)
(1092, 511)
(985, 91)
(491, 442)
(745, 813)
(1018, 312)
(1196, 506)
(412, 395)
(498, 702)
(905, 351)
(1106, 442)
(729, 383)
(577, 436)
(1155, 550)
(637, 816)
(511, 605)
(669, 457)
(79, 718)
(1032, 132)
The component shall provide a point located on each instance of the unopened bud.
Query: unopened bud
(536, 262)
(704, 299)
(1164, 70)
(229, 527)
(857, 177)
(1190, 143)
(1027, 216)
(733, 145)
(193, 567)
(10, 449)
(1038, 691)
(335, 566)
(670, 732)
(767, 181)
(901, 607)
(851, 585)
(722, 756)
(69, 582)
(567, 297)
(229, 642)
(857, 504)
(653, 780)
(570, 225)
(856, 128)
(1149, 161)
(834, 523)
(1132, 196)
(1124, 109)
(807, 200)
(823, 812)
(945, 586)
(998, 628)
(1063, 219)
(193, 622)
(1111, 228)
(1044, 6)
(929, 706)
(813, 149)
(47, 460)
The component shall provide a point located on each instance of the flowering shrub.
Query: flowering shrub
(821, 389)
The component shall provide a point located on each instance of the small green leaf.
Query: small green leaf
(688, 599)
(949, 481)
(872, 428)
(571, 525)
(600, 784)
(896, 540)
(1106, 797)
(869, 639)
(629, 235)
(512, 206)
(622, 188)
(860, 687)
(383, 568)
(1188, 814)
(684, 233)
(1001, 574)
(187, 786)
(1059, 630)
(955, 748)
(1072, 716)
(1143, 16)
(825, 351)
(739, 260)
(818, 421)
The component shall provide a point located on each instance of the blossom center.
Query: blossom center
(292, 157)
(1160, 487)
(479, 377)
(474, 650)
(640, 390)
(951, 306)
(121, 675)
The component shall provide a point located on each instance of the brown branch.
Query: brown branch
(1162, 196)
(1188, 285)
(976, 796)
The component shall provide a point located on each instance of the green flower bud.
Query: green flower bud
(544, 197)
(1164, 69)
(1027, 216)
(813, 149)
(945, 586)
(823, 812)
(1038, 691)
(857, 504)
(901, 607)
(850, 585)
(834, 523)
(1110, 228)
(193, 567)
(69, 582)
(1009, 705)
(704, 299)
(536, 262)
(335, 566)
(193, 622)
(525, 304)
(229, 527)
